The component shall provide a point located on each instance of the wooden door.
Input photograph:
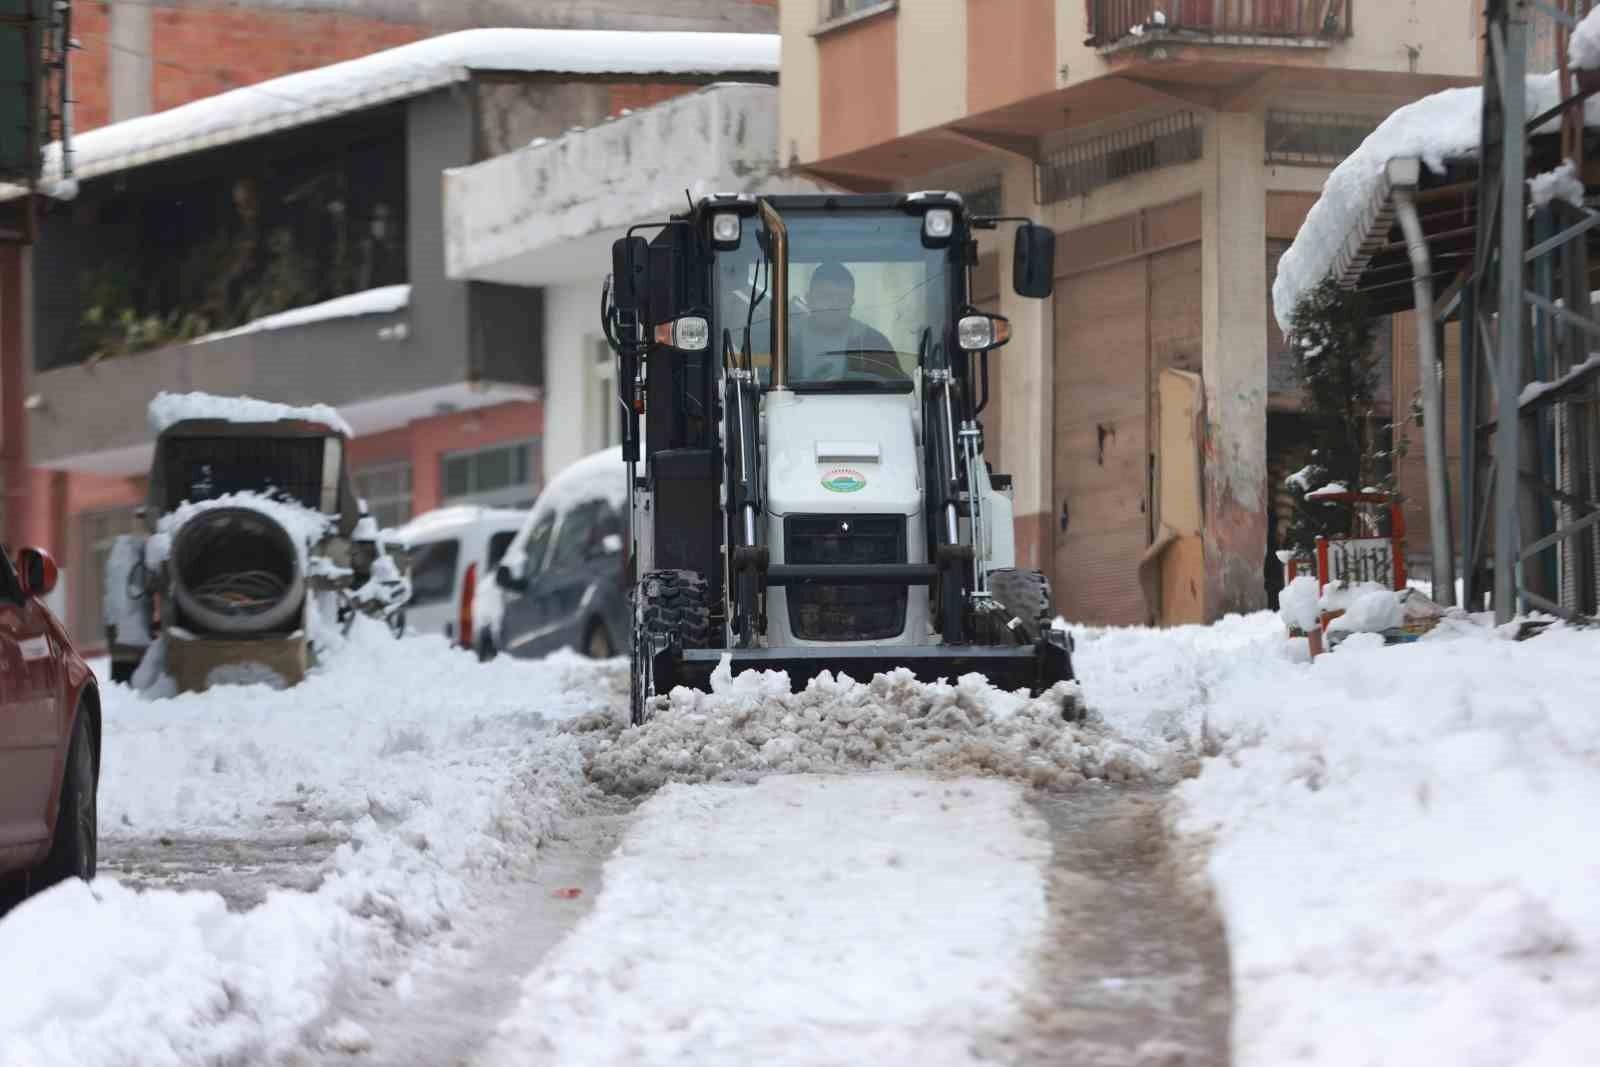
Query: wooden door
(1101, 443)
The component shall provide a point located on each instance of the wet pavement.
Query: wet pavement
(241, 870)
(1135, 969)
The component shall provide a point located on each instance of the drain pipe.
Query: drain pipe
(1403, 174)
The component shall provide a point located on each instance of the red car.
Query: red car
(49, 737)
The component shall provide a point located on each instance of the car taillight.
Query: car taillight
(469, 589)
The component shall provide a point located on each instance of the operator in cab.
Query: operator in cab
(828, 344)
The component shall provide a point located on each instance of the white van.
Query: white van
(452, 550)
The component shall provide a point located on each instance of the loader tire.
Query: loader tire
(669, 607)
(1026, 595)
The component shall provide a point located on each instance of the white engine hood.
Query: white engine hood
(853, 454)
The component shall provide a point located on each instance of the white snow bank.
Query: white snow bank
(1403, 844)
(1583, 51)
(1562, 183)
(1371, 611)
(1534, 390)
(168, 409)
(430, 771)
(1329, 490)
(1434, 129)
(731, 929)
(1341, 596)
(383, 300)
(1297, 604)
(395, 74)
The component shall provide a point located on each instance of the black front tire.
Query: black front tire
(670, 608)
(486, 648)
(74, 847)
(1026, 596)
(122, 670)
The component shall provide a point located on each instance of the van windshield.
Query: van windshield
(863, 292)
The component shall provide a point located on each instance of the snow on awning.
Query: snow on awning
(395, 74)
(383, 300)
(1350, 223)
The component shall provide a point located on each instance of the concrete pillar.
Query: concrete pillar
(1234, 363)
(1027, 376)
(130, 60)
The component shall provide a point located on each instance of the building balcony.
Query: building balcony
(1118, 25)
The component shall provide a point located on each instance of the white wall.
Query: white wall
(571, 338)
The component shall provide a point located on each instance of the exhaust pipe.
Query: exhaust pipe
(780, 295)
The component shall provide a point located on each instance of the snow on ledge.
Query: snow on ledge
(396, 74)
(380, 301)
(1434, 129)
(1534, 390)
(169, 409)
(1583, 53)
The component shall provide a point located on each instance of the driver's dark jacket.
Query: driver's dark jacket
(862, 343)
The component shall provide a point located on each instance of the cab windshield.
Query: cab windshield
(863, 292)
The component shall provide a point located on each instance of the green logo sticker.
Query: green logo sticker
(843, 480)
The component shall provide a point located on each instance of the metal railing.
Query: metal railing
(1113, 20)
(1083, 167)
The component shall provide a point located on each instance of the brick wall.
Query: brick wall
(91, 65)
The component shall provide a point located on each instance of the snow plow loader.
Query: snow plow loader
(801, 380)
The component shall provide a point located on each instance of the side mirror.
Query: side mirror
(981, 333)
(506, 578)
(630, 264)
(1033, 261)
(37, 571)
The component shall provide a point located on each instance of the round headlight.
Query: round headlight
(725, 228)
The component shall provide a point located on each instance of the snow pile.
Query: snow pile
(1434, 129)
(381, 301)
(423, 792)
(751, 725)
(1403, 844)
(1583, 52)
(732, 929)
(1562, 183)
(1371, 611)
(169, 409)
(1297, 604)
(1342, 596)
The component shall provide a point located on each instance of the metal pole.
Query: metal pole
(14, 494)
(1469, 441)
(1508, 367)
(1444, 577)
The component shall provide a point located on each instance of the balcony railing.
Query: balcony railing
(1112, 21)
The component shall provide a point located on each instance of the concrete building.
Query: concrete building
(287, 241)
(1149, 411)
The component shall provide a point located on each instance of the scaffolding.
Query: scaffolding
(1530, 420)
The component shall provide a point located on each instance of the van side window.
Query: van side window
(577, 530)
(433, 572)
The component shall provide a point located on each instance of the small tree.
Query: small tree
(1331, 335)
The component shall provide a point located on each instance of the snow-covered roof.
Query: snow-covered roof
(395, 74)
(1435, 129)
(169, 409)
(599, 476)
(438, 520)
(379, 301)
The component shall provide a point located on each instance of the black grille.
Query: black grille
(841, 612)
(204, 468)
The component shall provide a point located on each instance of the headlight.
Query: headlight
(938, 223)
(725, 229)
(689, 334)
(976, 333)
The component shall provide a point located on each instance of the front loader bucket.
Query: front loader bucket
(1032, 667)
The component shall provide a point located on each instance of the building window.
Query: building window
(1310, 139)
(604, 407)
(1079, 169)
(387, 492)
(834, 13)
(97, 532)
(502, 476)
